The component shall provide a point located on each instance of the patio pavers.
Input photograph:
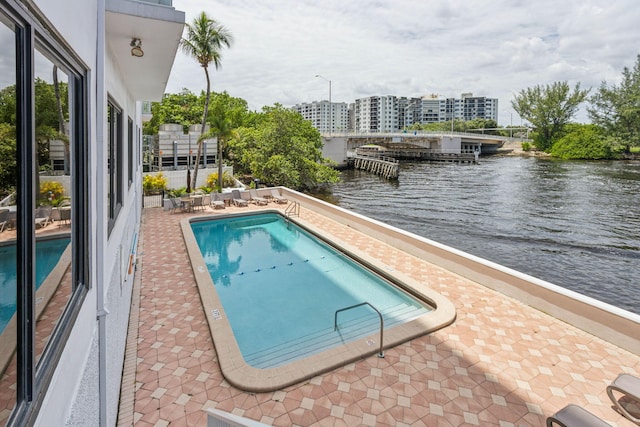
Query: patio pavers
(501, 363)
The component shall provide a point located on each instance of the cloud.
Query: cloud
(409, 48)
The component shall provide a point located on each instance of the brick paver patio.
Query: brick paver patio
(501, 363)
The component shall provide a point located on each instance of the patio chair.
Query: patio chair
(206, 201)
(55, 216)
(43, 216)
(176, 203)
(575, 416)
(277, 197)
(257, 199)
(197, 202)
(4, 219)
(237, 199)
(629, 387)
(217, 202)
(65, 214)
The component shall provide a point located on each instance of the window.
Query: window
(114, 162)
(130, 154)
(43, 188)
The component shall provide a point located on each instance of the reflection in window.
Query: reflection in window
(8, 184)
(43, 193)
(53, 198)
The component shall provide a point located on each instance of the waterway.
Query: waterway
(574, 224)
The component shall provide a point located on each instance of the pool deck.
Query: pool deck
(501, 363)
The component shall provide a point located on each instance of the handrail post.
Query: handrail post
(335, 321)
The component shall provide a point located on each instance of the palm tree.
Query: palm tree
(204, 39)
(221, 128)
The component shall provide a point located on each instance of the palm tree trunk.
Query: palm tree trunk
(204, 122)
(219, 143)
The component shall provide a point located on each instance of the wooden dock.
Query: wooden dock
(386, 167)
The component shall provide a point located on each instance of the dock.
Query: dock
(387, 167)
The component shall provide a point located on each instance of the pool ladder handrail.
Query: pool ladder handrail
(293, 209)
(335, 321)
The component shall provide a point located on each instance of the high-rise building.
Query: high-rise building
(324, 116)
(390, 113)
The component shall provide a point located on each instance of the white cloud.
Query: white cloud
(409, 48)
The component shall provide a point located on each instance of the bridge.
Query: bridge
(423, 145)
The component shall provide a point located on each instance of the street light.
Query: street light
(510, 123)
(330, 106)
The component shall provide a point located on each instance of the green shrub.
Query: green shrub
(526, 146)
(227, 180)
(51, 192)
(154, 183)
(582, 142)
(177, 192)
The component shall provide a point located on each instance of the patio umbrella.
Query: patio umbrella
(188, 180)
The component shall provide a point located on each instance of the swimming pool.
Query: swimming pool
(48, 253)
(277, 288)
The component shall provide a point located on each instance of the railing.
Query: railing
(292, 210)
(335, 321)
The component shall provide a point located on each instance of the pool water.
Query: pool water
(280, 287)
(48, 253)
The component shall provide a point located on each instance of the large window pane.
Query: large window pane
(54, 189)
(8, 184)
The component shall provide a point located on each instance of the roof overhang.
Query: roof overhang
(159, 29)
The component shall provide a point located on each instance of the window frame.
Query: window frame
(33, 32)
(115, 151)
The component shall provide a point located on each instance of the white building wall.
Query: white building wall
(74, 396)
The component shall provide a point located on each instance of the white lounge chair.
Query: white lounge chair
(575, 416)
(277, 197)
(629, 386)
(4, 219)
(43, 216)
(257, 199)
(238, 200)
(217, 202)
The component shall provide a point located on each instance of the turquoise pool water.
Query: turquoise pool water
(280, 287)
(48, 253)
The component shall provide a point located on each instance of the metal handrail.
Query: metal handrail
(292, 209)
(335, 321)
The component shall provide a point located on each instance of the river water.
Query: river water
(574, 224)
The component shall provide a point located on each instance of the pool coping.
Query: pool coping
(241, 375)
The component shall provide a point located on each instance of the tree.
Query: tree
(205, 38)
(184, 108)
(582, 142)
(282, 149)
(548, 108)
(617, 108)
(222, 130)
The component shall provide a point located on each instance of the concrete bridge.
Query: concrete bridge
(425, 145)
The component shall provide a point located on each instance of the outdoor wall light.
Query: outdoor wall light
(136, 49)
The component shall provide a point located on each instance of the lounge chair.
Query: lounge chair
(43, 216)
(237, 199)
(629, 386)
(257, 199)
(4, 219)
(217, 202)
(277, 197)
(575, 416)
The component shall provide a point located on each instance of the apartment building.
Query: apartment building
(324, 115)
(390, 113)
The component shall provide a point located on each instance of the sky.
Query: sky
(412, 48)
